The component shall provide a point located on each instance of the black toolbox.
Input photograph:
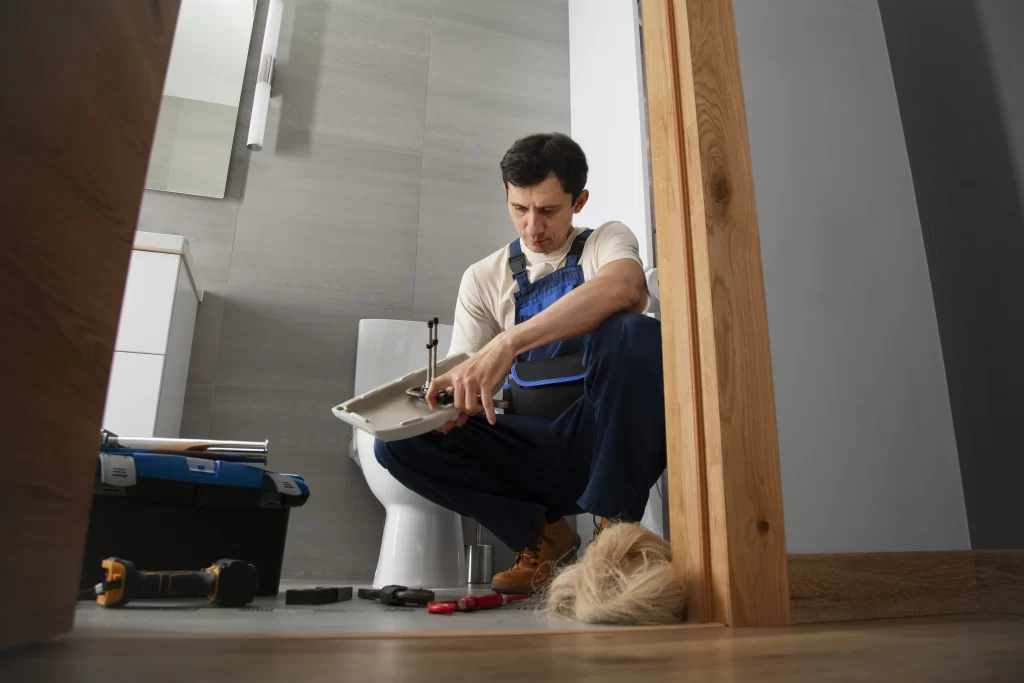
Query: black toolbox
(170, 512)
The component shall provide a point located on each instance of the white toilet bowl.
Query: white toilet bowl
(422, 545)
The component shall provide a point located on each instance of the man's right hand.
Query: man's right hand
(445, 382)
(473, 382)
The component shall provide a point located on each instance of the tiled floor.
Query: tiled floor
(272, 615)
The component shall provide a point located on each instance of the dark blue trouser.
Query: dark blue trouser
(601, 456)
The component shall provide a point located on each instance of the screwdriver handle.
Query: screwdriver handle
(471, 603)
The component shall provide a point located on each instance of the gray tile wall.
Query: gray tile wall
(377, 186)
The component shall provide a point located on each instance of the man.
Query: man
(557, 291)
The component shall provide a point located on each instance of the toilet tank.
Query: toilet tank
(388, 349)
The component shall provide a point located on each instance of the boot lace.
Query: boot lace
(529, 557)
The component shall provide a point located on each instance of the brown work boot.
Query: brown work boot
(600, 524)
(553, 545)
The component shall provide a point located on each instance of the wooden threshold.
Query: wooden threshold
(724, 477)
(854, 586)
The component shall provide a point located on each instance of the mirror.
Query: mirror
(195, 128)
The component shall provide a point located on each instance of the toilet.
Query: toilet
(422, 545)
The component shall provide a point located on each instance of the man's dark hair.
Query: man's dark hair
(533, 158)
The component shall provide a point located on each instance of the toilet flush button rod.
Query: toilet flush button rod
(421, 392)
(431, 353)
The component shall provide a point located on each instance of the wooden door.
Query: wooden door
(81, 90)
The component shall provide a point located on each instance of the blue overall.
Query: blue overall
(602, 455)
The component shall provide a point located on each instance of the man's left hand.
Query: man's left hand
(474, 382)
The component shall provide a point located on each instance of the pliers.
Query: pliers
(397, 596)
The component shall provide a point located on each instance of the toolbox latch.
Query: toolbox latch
(201, 465)
(117, 470)
(284, 484)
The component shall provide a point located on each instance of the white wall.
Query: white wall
(608, 114)
(869, 461)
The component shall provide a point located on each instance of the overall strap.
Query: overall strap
(576, 250)
(517, 264)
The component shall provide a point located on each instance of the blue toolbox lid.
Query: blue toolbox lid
(122, 467)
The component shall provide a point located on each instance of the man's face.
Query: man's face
(542, 214)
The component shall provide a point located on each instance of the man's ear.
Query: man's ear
(581, 201)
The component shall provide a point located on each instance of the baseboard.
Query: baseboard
(853, 586)
(1000, 580)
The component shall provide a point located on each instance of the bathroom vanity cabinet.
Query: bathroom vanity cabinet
(154, 339)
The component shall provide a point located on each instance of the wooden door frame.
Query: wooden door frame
(725, 485)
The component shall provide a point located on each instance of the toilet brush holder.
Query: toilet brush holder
(479, 564)
(479, 560)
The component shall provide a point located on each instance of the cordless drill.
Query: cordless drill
(228, 583)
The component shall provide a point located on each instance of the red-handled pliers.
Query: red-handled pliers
(472, 603)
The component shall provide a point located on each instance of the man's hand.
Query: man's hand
(473, 382)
